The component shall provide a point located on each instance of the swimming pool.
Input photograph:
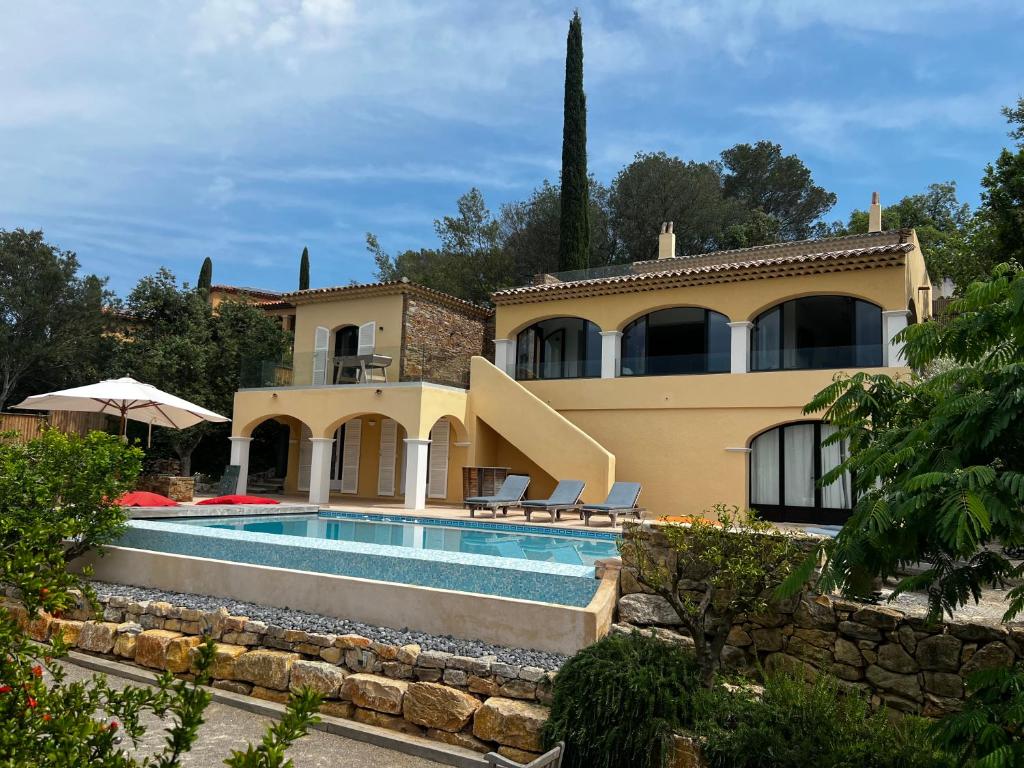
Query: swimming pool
(494, 540)
(506, 560)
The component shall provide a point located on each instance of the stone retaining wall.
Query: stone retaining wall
(476, 703)
(899, 659)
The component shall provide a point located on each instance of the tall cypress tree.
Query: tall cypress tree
(205, 277)
(574, 232)
(304, 270)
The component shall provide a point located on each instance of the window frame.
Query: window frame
(538, 337)
(784, 513)
(646, 320)
(781, 350)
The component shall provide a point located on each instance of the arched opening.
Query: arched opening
(816, 332)
(559, 348)
(366, 458)
(786, 466)
(345, 344)
(678, 340)
(268, 457)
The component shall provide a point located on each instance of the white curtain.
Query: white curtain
(764, 469)
(836, 495)
(798, 444)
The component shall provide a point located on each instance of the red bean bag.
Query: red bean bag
(237, 500)
(145, 499)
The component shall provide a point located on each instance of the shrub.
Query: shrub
(795, 724)
(618, 702)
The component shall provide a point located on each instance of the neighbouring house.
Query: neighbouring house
(270, 302)
(687, 374)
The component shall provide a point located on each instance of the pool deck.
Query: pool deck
(446, 512)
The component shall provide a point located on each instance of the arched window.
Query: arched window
(346, 344)
(560, 348)
(676, 340)
(786, 465)
(818, 332)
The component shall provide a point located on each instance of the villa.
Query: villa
(686, 374)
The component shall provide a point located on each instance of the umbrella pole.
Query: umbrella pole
(149, 437)
(124, 423)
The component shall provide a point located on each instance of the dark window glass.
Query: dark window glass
(560, 348)
(817, 332)
(346, 341)
(676, 341)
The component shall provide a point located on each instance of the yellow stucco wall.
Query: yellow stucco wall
(738, 301)
(385, 311)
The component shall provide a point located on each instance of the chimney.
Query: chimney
(666, 241)
(875, 214)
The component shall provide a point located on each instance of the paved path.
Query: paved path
(228, 728)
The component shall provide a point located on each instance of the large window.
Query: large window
(560, 348)
(818, 332)
(786, 466)
(677, 340)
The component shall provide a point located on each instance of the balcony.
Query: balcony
(384, 366)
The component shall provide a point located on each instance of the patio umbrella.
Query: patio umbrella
(127, 398)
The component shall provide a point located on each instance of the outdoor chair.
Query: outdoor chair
(229, 481)
(621, 501)
(550, 759)
(509, 495)
(565, 496)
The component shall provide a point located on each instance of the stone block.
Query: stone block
(234, 686)
(456, 677)
(511, 723)
(848, 653)
(508, 671)
(472, 666)
(269, 694)
(860, 631)
(907, 638)
(408, 654)
(342, 709)
(685, 753)
(295, 636)
(483, 685)
(846, 672)
(178, 656)
(151, 647)
(815, 613)
(643, 609)
(331, 655)
(324, 641)
(124, 645)
(461, 739)
(878, 617)
(224, 657)
(362, 660)
(940, 653)
(381, 694)
(268, 669)
(531, 674)
(523, 756)
(256, 627)
(428, 675)
(781, 662)
(896, 659)
(991, 656)
(518, 689)
(946, 684)
(739, 637)
(767, 638)
(173, 625)
(817, 637)
(398, 670)
(804, 650)
(351, 641)
(978, 633)
(900, 684)
(437, 706)
(324, 678)
(234, 623)
(38, 627)
(940, 706)
(383, 720)
(97, 636)
(384, 651)
(67, 629)
(433, 659)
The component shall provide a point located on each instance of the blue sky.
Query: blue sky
(158, 133)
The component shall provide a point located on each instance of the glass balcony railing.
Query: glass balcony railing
(807, 358)
(384, 366)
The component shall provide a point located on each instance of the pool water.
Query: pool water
(468, 537)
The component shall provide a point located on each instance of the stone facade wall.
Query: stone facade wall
(439, 340)
(899, 659)
(476, 703)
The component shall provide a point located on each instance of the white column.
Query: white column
(416, 473)
(505, 355)
(320, 470)
(740, 346)
(240, 456)
(893, 322)
(611, 351)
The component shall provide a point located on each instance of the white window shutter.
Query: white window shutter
(367, 338)
(305, 457)
(388, 449)
(321, 343)
(350, 456)
(437, 471)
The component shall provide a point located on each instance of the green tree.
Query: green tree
(717, 567)
(574, 233)
(656, 187)
(52, 319)
(937, 463)
(779, 186)
(304, 270)
(470, 263)
(180, 345)
(205, 281)
(1002, 194)
(530, 231)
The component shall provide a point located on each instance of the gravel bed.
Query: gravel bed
(328, 625)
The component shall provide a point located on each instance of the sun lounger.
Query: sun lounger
(565, 496)
(509, 495)
(550, 759)
(621, 501)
